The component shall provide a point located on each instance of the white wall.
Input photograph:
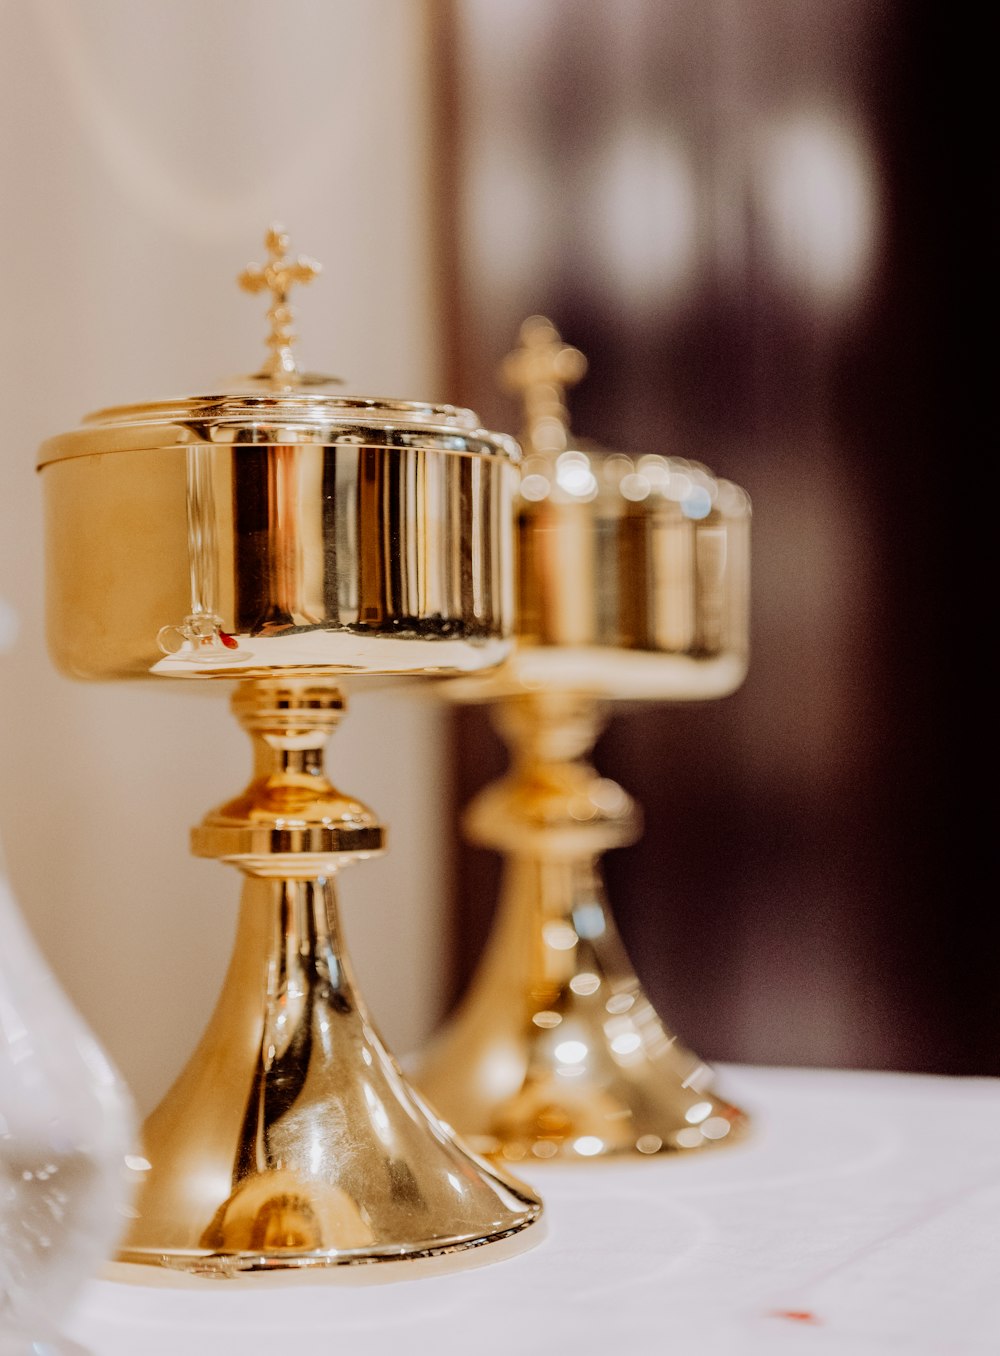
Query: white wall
(144, 150)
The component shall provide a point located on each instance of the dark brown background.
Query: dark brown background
(812, 886)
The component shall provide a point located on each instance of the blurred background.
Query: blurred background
(747, 217)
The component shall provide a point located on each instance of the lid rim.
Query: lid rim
(279, 418)
(301, 404)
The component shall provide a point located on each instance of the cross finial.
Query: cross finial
(539, 371)
(277, 276)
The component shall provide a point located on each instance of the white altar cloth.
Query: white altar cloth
(861, 1218)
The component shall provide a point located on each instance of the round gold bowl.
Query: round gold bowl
(278, 530)
(633, 577)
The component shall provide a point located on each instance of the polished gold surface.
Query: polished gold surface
(336, 535)
(290, 813)
(281, 534)
(278, 526)
(633, 571)
(633, 583)
(555, 1051)
(278, 276)
(292, 1139)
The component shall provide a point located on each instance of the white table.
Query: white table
(862, 1217)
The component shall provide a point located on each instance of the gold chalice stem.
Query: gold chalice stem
(555, 1049)
(292, 1139)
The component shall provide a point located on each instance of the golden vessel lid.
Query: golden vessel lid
(280, 404)
(560, 468)
(632, 568)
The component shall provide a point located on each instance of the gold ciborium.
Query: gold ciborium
(283, 535)
(633, 582)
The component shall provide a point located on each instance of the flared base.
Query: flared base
(556, 1052)
(225, 1264)
(574, 1091)
(292, 1140)
(322, 1269)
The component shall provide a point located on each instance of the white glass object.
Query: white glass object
(67, 1141)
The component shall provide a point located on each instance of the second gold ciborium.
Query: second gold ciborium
(633, 580)
(281, 535)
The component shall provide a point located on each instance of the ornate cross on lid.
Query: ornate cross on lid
(539, 371)
(277, 276)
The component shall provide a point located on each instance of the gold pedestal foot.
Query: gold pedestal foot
(292, 1139)
(555, 1050)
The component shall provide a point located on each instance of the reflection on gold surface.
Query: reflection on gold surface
(292, 1138)
(555, 1049)
(278, 526)
(270, 1213)
(633, 582)
(230, 560)
(633, 571)
(280, 534)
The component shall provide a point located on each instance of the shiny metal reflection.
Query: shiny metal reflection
(281, 535)
(633, 583)
(292, 1139)
(338, 534)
